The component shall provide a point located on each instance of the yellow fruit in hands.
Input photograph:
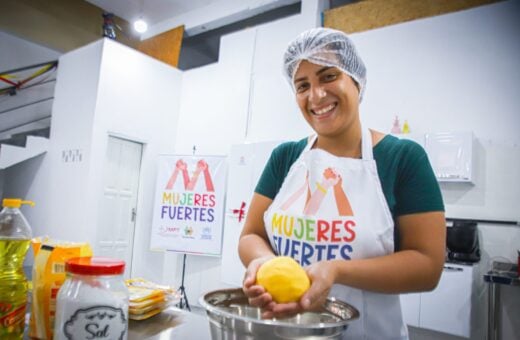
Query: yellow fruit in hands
(283, 278)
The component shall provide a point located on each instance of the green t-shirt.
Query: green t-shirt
(406, 176)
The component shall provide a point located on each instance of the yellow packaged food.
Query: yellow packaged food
(138, 294)
(145, 315)
(144, 309)
(143, 283)
(47, 277)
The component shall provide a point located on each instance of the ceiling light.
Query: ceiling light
(140, 26)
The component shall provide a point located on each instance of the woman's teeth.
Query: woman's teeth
(324, 110)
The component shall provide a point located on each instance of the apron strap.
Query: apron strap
(366, 145)
(310, 141)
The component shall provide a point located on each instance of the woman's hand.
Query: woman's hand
(256, 294)
(322, 275)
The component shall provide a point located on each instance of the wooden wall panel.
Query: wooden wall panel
(370, 14)
(165, 47)
(61, 25)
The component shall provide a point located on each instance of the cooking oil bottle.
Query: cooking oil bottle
(15, 235)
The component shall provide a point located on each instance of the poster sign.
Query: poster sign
(189, 204)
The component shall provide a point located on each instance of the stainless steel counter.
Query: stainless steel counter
(172, 323)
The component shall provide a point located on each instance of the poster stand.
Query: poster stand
(182, 290)
(184, 298)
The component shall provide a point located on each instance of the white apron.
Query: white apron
(334, 208)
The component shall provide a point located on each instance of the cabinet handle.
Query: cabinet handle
(452, 269)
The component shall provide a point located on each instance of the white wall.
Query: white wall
(138, 99)
(103, 88)
(455, 72)
(16, 53)
(74, 108)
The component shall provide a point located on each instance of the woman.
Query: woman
(360, 210)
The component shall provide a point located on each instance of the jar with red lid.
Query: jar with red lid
(92, 303)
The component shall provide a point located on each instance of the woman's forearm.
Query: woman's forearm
(252, 246)
(400, 272)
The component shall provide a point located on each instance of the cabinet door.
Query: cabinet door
(448, 308)
(410, 305)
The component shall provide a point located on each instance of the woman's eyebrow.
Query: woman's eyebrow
(320, 71)
(300, 79)
(323, 69)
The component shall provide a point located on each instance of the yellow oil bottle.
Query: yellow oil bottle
(15, 235)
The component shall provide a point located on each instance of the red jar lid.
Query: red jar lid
(95, 266)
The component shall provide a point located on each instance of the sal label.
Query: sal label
(99, 322)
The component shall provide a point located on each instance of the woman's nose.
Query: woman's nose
(317, 93)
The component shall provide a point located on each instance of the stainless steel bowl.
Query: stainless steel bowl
(232, 318)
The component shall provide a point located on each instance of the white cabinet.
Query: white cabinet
(447, 308)
(451, 155)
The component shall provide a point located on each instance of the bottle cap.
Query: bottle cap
(95, 266)
(15, 203)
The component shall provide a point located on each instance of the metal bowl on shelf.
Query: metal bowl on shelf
(231, 317)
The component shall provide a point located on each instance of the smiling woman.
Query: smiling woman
(328, 99)
(359, 210)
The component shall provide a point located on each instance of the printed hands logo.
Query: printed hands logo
(189, 182)
(330, 179)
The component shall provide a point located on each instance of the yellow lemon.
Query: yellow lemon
(283, 278)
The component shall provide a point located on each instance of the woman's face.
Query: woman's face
(327, 97)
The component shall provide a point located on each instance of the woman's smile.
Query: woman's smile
(324, 110)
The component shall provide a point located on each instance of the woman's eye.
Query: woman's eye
(330, 77)
(301, 87)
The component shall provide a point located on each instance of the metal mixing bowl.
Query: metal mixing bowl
(232, 318)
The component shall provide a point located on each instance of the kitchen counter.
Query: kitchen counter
(500, 274)
(173, 323)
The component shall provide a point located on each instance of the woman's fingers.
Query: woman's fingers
(261, 301)
(250, 274)
(322, 276)
(253, 291)
(317, 301)
(281, 310)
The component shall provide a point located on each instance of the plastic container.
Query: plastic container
(15, 236)
(93, 301)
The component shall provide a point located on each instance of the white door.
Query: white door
(117, 209)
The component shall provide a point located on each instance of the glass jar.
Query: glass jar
(92, 303)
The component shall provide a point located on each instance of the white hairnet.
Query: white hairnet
(327, 47)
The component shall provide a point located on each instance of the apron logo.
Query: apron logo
(311, 237)
(330, 179)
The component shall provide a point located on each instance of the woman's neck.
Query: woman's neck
(347, 144)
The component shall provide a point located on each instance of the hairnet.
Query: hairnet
(327, 47)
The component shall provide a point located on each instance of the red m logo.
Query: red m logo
(189, 183)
